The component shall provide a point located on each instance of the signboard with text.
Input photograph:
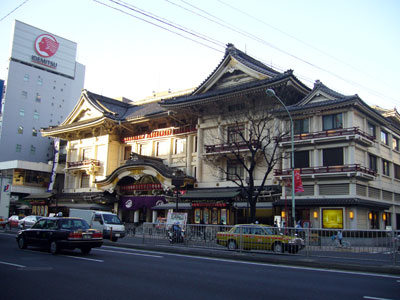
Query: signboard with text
(37, 47)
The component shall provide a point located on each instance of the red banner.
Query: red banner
(298, 184)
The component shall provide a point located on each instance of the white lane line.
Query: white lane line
(374, 298)
(84, 258)
(11, 264)
(130, 253)
(285, 266)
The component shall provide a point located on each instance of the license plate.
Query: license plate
(117, 235)
(87, 236)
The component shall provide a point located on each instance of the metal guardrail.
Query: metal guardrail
(368, 245)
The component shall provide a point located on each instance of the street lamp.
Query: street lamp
(271, 93)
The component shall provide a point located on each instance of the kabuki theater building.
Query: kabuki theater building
(182, 151)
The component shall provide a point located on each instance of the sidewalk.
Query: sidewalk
(301, 259)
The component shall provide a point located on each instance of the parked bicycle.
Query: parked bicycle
(338, 241)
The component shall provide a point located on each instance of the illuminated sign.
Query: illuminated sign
(161, 133)
(332, 218)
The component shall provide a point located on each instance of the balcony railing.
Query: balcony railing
(228, 147)
(334, 133)
(329, 170)
(83, 163)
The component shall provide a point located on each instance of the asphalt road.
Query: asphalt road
(118, 273)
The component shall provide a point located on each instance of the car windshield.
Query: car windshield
(111, 219)
(74, 224)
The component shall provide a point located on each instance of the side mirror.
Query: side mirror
(101, 222)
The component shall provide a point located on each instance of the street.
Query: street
(118, 273)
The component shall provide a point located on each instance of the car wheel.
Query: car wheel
(278, 247)
(232, 245)
(85, 250)
(22, 244)
(114, 239)
(54, 248)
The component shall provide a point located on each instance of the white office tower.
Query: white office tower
(44, 82)
(43, 85)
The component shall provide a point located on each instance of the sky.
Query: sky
(352, 46)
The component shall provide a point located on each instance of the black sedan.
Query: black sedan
(60, 233)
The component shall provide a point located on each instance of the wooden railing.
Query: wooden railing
(235, 146)
(83, 163)
(327, 169)
(329, 133)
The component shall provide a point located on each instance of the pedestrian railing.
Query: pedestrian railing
(368, 245)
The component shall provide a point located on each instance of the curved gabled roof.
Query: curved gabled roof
(121, 111)
(232, 53)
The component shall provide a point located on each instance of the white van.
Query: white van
(104, 221)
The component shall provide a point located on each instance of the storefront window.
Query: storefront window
(205, 216)
(197, 216)
(332, 218)
(214, 216)
(223, 216)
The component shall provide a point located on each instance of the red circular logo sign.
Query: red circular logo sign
(46, 45)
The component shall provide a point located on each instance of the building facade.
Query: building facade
(44, 80)
(193, 152)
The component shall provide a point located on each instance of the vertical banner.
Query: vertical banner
(55, 164)
(5, 195)
(298, 184)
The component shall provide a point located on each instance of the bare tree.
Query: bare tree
(248, 143)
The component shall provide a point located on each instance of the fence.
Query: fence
(366, 245)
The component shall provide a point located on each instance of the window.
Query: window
(26, 77)
(162, 148)
(22, 112)
(384, 137)
(18, 148)
(195, 144)
(301, 159)
(373, 162)
(40, 81)
(85, 180)
(234, 170)
(33, 149)
(372, 129)
(333, 157)
(385, 167)
(180, 146)
(127, 152)
(301, 126)
(87, 154)
(24, 95)
(395, 144)
(34, 132)
(396, 171)
(234, 133)
(38, 98)
(36, 115)
(20, 129)
(334, 121)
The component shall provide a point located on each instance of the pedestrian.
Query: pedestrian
(339, 237)
(298, 227)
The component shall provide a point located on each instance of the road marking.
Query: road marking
(11, 264)
(286, 266)
(374, 298)
(130, 253)
(84, 258)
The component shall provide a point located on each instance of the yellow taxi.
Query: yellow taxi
(259, 237)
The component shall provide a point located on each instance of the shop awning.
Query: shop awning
(210, 194)
(258, 205)
(39, 196)
(333, 202)
(172, 205)
(94, 206)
